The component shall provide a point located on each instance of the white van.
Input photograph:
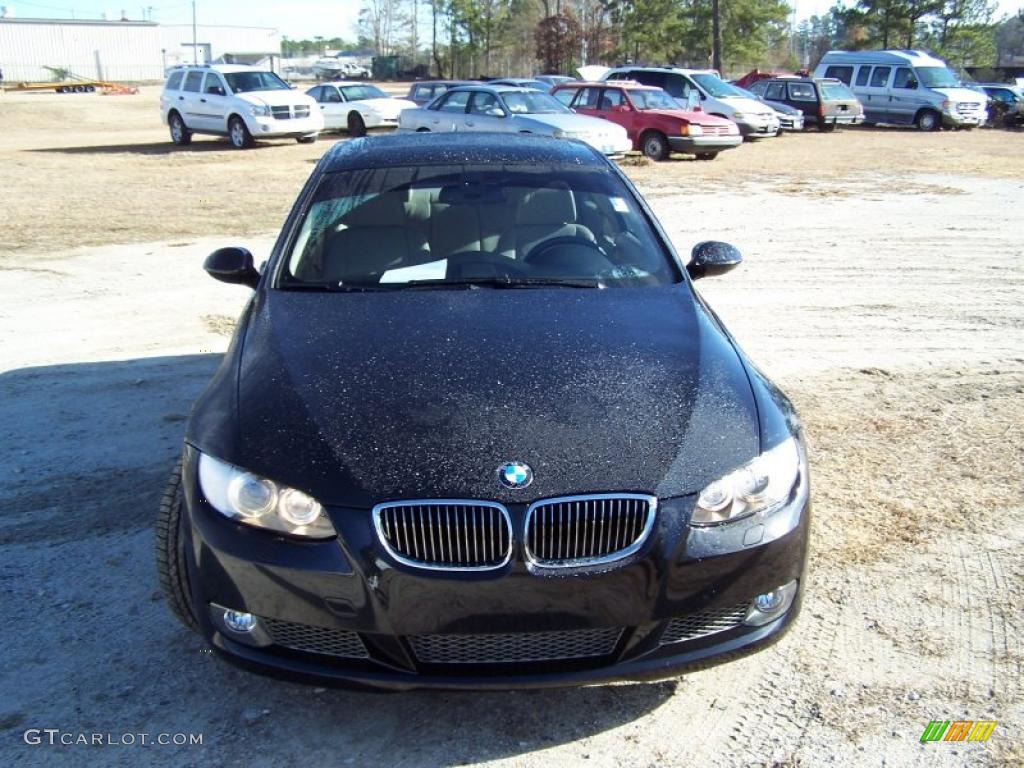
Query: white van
(715, 96)
(905, 88)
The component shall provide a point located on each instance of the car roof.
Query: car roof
(222, 68)
(629, 85)
(891, 56)
(349, 82)
(491, 87)
(499, 150)
(439, 82)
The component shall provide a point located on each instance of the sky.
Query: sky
(297, 20)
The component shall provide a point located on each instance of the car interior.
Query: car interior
(456, 228)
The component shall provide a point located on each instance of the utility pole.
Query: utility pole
(716, 37)
(195, 36)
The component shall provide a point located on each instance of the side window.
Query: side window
(214, 85)
(331, 95)
(775, 92)
(193, 81)
(483, 101)
(611, 97)
(455, 102)
(648, 78)
(423, 92)
(863, 74)
(588, 98)
(678, 87)
(316, 93)
(566, 95)
(802, 92)
(758, 87)
(622, 76)
(880, 76)
(904, 78)
(174, 81)
(840, 73)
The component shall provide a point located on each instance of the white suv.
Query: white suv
(242, 103)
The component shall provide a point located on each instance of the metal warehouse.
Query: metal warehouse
(39, 49)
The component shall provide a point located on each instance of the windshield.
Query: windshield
(360, 92)
(474, 225)
(243, 82)
(836, 92)
(652, 100)
(715, 86)
(936, 77)
(532, 103)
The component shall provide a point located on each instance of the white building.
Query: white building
(31, 49)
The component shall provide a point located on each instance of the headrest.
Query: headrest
(385, 210)
(547, 206)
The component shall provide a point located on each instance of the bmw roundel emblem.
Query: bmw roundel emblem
(515, 474)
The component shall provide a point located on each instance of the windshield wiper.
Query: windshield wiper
(507, 282)
(331, 287)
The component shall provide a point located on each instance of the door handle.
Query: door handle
(203, 100)
(181, 98)
(470, 124)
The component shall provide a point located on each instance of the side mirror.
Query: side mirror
(495, 112)
(711, 258)
(232, 265)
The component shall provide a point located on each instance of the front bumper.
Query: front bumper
(380, 121)
(757, 128)
(271, 127)
(694, 144)
(958, 119)
(349, 590)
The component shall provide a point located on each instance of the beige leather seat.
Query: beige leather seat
(377, 236)
(542, 215)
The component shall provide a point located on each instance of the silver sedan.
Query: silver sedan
(501, 109)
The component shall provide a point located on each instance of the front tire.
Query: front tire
(171, 565)
(356, 126)
(306, 139)
(180, 134)
(928, 120)
(654, 145)
(238, 134)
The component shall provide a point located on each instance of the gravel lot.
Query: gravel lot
(882, 289)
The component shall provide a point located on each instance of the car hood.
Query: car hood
(690, 116)
(386, 106)
(276, 98)
(743, 105)
(962, 95)
(574, 123)
(359, 398)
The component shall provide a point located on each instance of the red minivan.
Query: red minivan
(653, 120)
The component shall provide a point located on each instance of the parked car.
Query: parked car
(1006, 102)
(338, 68)
(424, 92)
(354, 107)
(242, 103)
(825, 102)
(706, 89)
(553, 80)
(501, 443)
(652, 119)
(790, 118)
(905, 88)
(506, 109)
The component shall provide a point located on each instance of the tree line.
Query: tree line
(474, 38)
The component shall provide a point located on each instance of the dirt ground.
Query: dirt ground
(882, 288)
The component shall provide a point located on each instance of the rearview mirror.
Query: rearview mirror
(232, 265)
(711, 258)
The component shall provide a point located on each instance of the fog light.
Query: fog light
(771, 605)
(238, 621)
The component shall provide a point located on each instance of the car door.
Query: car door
(775, 91)
(213, 105)
(587, 101)
(615, 107)
(906, 96)
(803, 97)
(189, 97)
(332, 105)
(877, 106)
(485, 113)
(450, 114)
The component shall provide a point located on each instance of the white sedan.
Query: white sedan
(354, 107)
(500, 109)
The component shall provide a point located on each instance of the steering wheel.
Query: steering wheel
(545, 246)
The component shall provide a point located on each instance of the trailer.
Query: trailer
(68, 82)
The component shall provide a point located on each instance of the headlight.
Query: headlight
(692, 130)
(758, 487)
(260, 502)
(259, 111)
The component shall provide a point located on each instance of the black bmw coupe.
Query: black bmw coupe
(476, 429)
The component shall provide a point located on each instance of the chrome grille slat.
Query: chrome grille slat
(704, 623)
(515, 647)
(445, 534)
(585, 530)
